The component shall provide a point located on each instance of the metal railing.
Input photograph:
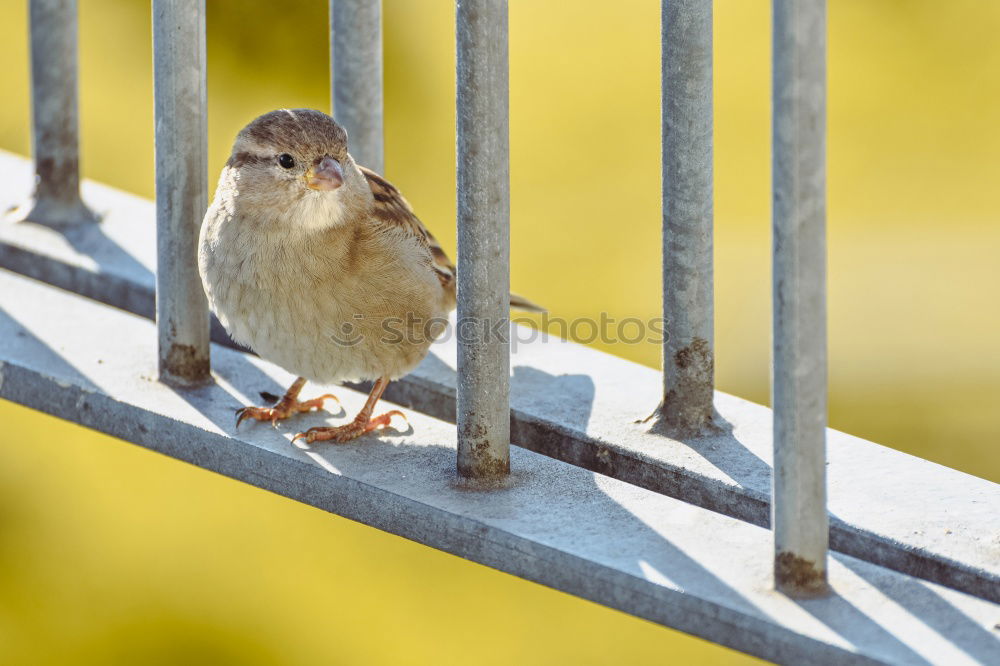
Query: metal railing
(800, 520)
(483, 159)
(798, 510)
(55, 144)
(356, 96)
(181, 188)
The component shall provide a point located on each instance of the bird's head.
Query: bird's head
(292, 166)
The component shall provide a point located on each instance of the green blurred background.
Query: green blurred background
(111, 554)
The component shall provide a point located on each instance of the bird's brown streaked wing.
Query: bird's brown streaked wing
(392, 208)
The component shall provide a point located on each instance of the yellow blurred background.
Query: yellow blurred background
(111, 554)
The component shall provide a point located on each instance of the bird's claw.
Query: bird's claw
(346, 433)
(282, 410)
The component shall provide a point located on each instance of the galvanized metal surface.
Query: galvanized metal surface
(801, 527)
(580, 405)
(55, 138)
(181, 187)
(560, 525)
(356, 77)
(689, 347)
(483, 397)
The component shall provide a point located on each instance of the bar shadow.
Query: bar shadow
(720, 446)
(570, 396)
(853, 625)
(19, 342)
(91, 241)
(946, 620)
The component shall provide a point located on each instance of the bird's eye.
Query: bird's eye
(286, 160)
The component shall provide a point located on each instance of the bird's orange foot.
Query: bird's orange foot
(285, 408)
(346, 433)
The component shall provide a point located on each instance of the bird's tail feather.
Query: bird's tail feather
(521, 303)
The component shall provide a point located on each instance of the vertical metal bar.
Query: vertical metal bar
(483, 239)
(356, 77)
(55, 116)
(181, 188)
(689, 348)
(801, 530)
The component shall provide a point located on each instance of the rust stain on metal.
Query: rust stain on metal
(493, 483)
(484, 465)
(472, 429)
(798, 577)
(184, 365)
(687, 409)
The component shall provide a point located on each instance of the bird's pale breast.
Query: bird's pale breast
(349, 303)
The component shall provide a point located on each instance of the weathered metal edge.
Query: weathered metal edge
(433, 393)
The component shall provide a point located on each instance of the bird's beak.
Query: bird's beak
(325, 175)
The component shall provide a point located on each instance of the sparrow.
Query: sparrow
(320, 266)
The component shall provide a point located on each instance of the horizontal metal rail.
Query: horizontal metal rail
(578, 405)
(632, 549)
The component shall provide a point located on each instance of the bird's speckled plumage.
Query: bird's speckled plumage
(331, 285)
